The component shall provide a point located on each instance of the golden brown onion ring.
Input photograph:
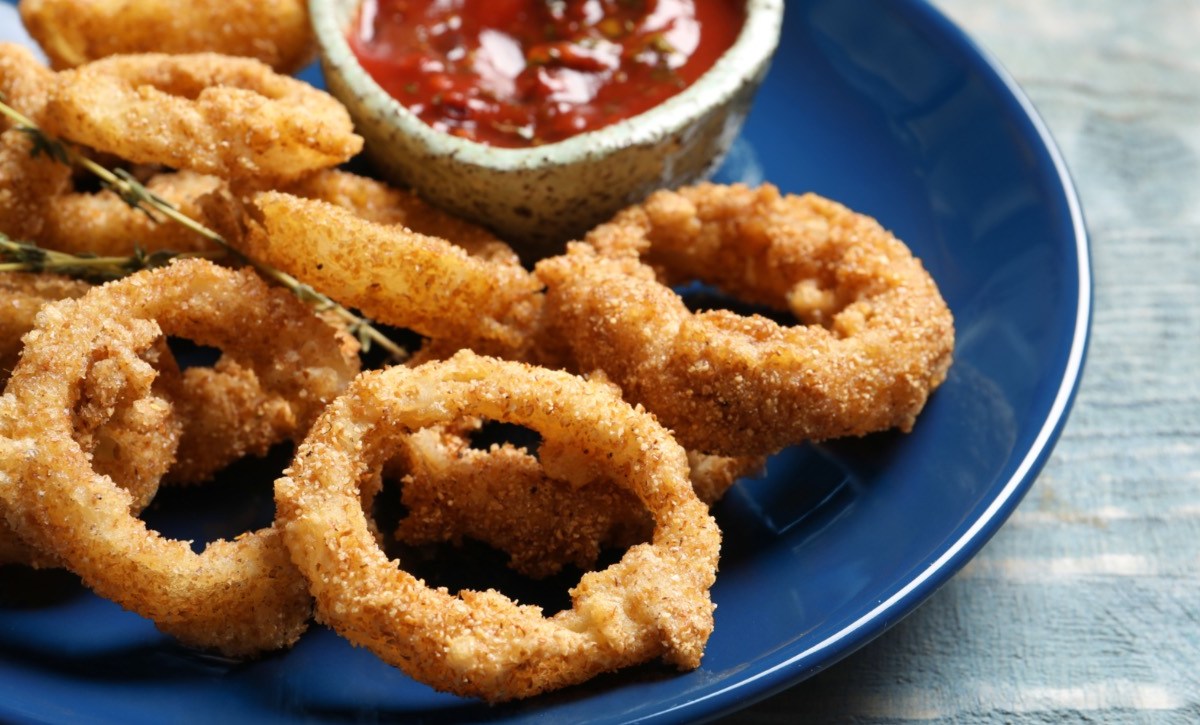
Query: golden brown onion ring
(879, 337)
(72, 33)
(128, 426)
(653, 603)
(377, 202)
(21, 296)
(24, 81)
(105, 225)
(29, 184)
(398, 276)
(231, 117)
(240, 597)
(130, 431)
(504, 497)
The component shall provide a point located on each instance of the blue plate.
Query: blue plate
(888, 107)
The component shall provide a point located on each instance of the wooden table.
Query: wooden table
(1086, 605)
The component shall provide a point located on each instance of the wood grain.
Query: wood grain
(1086, 606)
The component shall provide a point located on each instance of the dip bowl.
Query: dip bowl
(538, 198)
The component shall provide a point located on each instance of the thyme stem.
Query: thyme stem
(24, 257)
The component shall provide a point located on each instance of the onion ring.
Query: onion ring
(123, 421)
(377, 202)
(24, 81)
(504, 497)
(879, 340)
(72, 33)
(105, 225)
(398, 276)
(231, 117)
(240, 597)
(21, 296)
(29, 186)
(128, 426)
(653, 603)
(28, 183)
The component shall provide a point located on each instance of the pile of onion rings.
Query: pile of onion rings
(648, 411)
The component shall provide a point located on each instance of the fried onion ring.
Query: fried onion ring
(377, 202)
(104, 224)
(230, 117)
(21, 296)
(653, 603)
(72, 33)
(398, 276)
(128, 427)
(879, 337)
(24, 81)
(122, 418)
(240, 597)
(131, 439)
(504, 497)
(29, 183)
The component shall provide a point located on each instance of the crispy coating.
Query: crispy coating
(231, 117)
(129, 428)
(229, 414)
(398, 276)
(504, 497)
(101, 223)
(24, 81)
(28, 183)
(74, 32)
(375, 201)
(29, 186)
(240, 597)
(21, 296)
(653, 603)
(878, 336)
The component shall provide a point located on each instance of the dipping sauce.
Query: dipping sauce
(518, 73)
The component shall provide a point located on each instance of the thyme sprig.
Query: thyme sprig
(18, 256)
(137, 196)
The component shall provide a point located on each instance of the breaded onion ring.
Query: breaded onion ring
(229, 414)
(375, 201)
(104, 224)
(653, 603)
(231, 117)
(131, 439)
(29, 184)
(879, 337)
(398, 276)
(24, 81)
(504, 497)
(72, 33)
(125, 422)
(240, 597)
(21, 296)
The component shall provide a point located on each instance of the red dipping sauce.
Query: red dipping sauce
(518, 73)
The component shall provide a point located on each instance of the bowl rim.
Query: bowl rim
(747, 58)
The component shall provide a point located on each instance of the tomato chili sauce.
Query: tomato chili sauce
(518, 73)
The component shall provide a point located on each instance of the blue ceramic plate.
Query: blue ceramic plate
(889, 108)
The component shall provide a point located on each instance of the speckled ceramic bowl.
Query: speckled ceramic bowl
(540, 197)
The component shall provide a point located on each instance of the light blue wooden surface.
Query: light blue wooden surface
(1086, 606)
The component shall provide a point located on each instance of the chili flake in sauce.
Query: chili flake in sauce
(519, 73)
